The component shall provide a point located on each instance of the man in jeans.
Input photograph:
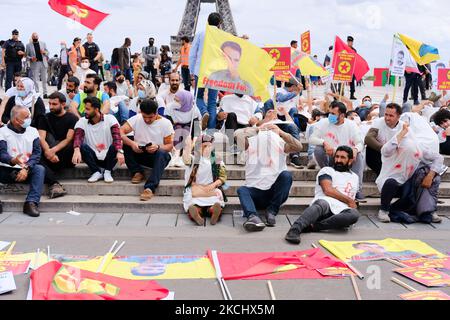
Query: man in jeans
(20, 153)
(208, 112)
(267, 180)
(150, 146)
(334, 205)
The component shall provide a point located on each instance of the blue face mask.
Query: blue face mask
(367, 104)
(21, 93)
(333, 118)
(141, 94)
(26, 123)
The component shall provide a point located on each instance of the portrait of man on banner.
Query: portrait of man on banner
(232, 53)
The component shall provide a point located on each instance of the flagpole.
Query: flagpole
(272, 293)
(404, 285)
(355, 288)
(395, 89)
(104, 257)
(11, 247)
(275, 92)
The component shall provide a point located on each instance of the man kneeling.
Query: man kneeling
(334, 205)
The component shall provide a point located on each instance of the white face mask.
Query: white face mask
(85, 65)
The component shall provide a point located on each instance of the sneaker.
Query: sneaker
(254, 223)
(271, 219)
(137, 178)
(147, 195)
(56, 190)
(360, 197)
(241, 158)
(435, 218)
(178, 162)
(311, 164)
(108, 177)
(293, 236)
(95, 177)
(216, 211)
(205, 120)
(296, 163)
(194, 213)
(383, 216)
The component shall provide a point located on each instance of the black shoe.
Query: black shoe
(45, 96)
(296, 163)
(293, 236)
(31, 209)
(308, 229)
(353, 98)
(1, 207)
(254, 223)
(271, 219)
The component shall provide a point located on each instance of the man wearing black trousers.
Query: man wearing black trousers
(350, 40)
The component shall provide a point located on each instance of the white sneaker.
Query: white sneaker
(435, 218)
(383, 216)
(95, 177)
(178, 162)
(107, 176)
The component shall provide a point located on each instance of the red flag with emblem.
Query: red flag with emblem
(77, 11)
(361, 65)
(55, 281)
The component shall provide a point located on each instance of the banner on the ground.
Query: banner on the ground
(16, 267)
(79, 12)
(7, 283)
(440, 263)
(427, 276)
(234, 65)
(444, 79)
(371, 250)
(55, 281)
(3, 245)
(336, 272)
(344, 67)
(26, 259)
(282, 57)
(425, 295)
(306, 42)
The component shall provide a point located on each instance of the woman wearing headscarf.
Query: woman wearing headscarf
(204, 178)
(26, 97)
(146, 90)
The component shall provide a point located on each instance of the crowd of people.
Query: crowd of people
(133, 119)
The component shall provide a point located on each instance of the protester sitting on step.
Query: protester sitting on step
(56, 132)
(150, 146)
(412, 174)
(97, 142)
(337, 131)
(334, 205)
(20, 153)
(204, 178)
(91, 89)
(441, 125)
(267, 180)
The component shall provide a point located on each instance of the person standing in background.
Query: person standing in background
(37, 54)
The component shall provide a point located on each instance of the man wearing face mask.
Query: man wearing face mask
(338, 131)
(124, 87)
(334, 206)
(150, 53)
(64, 63)
(71, 90)
(56, 132)
(37, 54)
(91, 89)
(364, 109)
(20, 152)
(83, 70)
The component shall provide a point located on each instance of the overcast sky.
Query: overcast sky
(372, 23)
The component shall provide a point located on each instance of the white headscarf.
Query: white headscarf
(31, 94)
(422, 132)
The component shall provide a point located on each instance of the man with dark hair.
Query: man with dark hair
(334, 205)
(97, 141)
(12, 54)
(150, 146)
(184, 63)
(350, 40)
(208, 112)
(56, 132)
(382, 130)
(294, 44)
(72, 85)
(37, 55)
(440, 124)
(150, 53)
(92, 52)
(91, 89)
(338, 131)
(118, 106)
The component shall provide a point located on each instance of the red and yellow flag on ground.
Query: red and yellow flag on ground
(77, 11)
(55, 281)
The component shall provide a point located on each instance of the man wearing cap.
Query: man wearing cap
(350, 40)
(12, 54)
(37, 54)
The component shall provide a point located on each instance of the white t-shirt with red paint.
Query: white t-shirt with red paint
(346, 134)
(19, 143)
(346, 183)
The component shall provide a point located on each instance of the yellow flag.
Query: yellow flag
(421, 52)
(235, 65)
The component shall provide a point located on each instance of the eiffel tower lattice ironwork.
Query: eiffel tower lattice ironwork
(190, 19)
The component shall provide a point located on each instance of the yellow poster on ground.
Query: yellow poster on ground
(23, 257)
(232, 64)
(152, 267)
(380, 249)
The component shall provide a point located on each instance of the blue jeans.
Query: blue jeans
(95, 165)
(11, 68)
(211, 108)
(36, 177)
(123, 114)
(271, 200)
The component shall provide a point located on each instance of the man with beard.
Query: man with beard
(334, 205)
(91, 90)
(71, 90)
(169, 95)
(56, 131)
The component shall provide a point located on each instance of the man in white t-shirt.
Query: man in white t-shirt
(97, 141)
(382, 130)
(336, 131)
(267, 180)
(168, 96)
(83, 71)
(334, 206)
(150, 146)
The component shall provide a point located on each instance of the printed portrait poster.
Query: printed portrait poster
(435, 66)
(398, 58)
(235, 65)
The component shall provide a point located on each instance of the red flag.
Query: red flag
(272, 265)
(55, 281)
(79, 12)
(361, 65)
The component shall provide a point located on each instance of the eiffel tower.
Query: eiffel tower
(189, 22)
